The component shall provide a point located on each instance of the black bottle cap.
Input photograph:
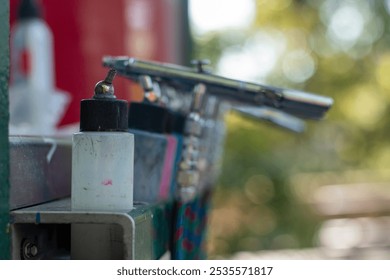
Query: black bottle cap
(104, 112)
(28, 9)
(148, 117)
(177, 122)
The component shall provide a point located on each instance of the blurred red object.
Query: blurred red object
(84, 31)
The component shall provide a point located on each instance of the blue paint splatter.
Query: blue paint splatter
(38, 218)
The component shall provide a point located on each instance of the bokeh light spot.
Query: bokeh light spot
(213, 15)
(298, 66)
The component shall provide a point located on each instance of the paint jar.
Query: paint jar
(103, 153)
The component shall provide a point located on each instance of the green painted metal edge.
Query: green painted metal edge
(4, 116)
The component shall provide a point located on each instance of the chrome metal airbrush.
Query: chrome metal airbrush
(240, 93)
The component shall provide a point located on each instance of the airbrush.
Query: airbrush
(297, 103)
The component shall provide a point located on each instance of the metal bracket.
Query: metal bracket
(44, 232)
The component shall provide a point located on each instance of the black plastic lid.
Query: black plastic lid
(103, 115)
(28, 9)
(177, 122)
(104, 112)
(148, 117)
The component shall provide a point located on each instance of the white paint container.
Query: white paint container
(102, 171)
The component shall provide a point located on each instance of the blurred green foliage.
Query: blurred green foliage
(348, 44)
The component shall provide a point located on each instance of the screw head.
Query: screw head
(34, 250)
(30, 250)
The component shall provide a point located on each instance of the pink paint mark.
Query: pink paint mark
(179, 233)
(107, 182)
(188, 245)
(169, 161)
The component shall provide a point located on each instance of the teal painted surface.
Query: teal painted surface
(190, 222)
(4, 150)
(153, 224)
(162, 228)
